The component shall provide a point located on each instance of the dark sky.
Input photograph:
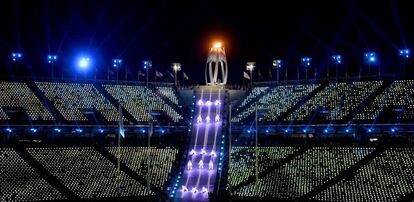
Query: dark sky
(182, 31)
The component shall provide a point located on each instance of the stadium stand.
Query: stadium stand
(305, 172)
(88, 174)
(254, 93)
(277, 101)
(336, 100)
(138, 100)
(161, 161)
(387, 177)
(20, 182)
(399, 95)
(58, 163)
(168, 93)
(13, 94)
(243, 159)
(71, 98)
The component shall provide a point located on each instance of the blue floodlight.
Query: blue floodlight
(16, 56)
(84, 62)
(267, 131)
(306, 61)
(305, 130)
(277, 63)
(248, 131)
(337, 59)
(369, 130)
(51, 58)
(286, 130)
(347, 130)
(101, 130)
(405, 53)
(57, 130)
(78, 130)
(147, 64)
(9, 130)
(370, 57)
(33, 130)
(116, 62)
(325, 130)
(393, 130)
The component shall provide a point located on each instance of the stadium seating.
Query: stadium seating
(19, 95)
(305, 172)
(338, 99)
(20, 182)
(400, 94)
(138, 99)
(70, 98)
(277, 101)
(243, 161)
(161, 161)
(87, 173)
(387, 177)
(169, 93)
(255, 92)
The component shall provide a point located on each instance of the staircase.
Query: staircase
(202, 163)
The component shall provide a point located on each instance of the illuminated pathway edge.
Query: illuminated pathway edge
(204, 156)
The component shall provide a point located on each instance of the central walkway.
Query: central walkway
(202, 162)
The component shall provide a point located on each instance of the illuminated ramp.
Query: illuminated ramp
(203, 159)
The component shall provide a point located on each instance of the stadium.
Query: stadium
(337, 130)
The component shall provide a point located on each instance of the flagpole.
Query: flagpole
(119, 138)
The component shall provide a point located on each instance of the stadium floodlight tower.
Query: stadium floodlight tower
(51, 59)
(216, 62)
(84, 64)
(250, 66)
(337, 60)
(116, 63)
(17, 56)
(176, 67)
(405, 55)
(147, 65)
(370, 58)
(306, 62)
(277, 64)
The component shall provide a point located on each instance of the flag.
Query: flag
(172, 75)
(140, 73)
(121, 123)
(270, 74)
(260, 74)
(158, 74)
(245, 75)
(185, 76)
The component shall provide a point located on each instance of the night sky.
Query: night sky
(183, 31)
